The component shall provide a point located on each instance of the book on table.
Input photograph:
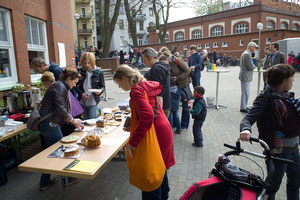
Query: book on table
(83, 166)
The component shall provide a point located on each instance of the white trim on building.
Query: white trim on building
(216, 24)
(236, 21)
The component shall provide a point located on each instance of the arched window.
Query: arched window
(241, 28)
(217, 31)
(166, 38)
(296, 27)
(270, 25)
(283, 25)
(196, 34)
(179, 36)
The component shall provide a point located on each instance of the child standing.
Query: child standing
(198, 113)
(174, 116)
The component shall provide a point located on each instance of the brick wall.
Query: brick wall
(58, 17)
(108, 63)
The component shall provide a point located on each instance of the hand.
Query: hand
(129, 150)
(84, 96)
(192, 68)
(98, 93)
(77, 123)
(245, 136)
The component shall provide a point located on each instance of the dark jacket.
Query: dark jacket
(197, 61)
(97, 82)
(57, 99)
(175, 97)
(202, 115)
(263, 113)
(279, 58)
(160, 73)
(56, 70)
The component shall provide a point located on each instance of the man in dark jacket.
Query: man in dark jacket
(40, 66)
(159, 73)
(275, 57)
(195, 64)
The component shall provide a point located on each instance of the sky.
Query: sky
(185, 11)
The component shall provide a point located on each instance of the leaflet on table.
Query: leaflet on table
(83, 166)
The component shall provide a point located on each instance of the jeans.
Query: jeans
(90, 112)
(161, 193)
(51, 135)
(174, 117)
(293, 176)
(196, 78)
(197, 132)
(185, 117)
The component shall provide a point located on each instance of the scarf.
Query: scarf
(281, 112)
(296, 103)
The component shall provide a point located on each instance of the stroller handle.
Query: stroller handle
(237, 150)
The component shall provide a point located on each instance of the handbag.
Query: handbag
(146, 166)
(35, 119)
(186, 93)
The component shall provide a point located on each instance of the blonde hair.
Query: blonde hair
(88, 56)
(124, 71)
(47, 77)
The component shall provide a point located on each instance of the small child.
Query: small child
(198, 113)
(47, 79)
(174, 116)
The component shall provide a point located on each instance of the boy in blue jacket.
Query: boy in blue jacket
(198, 114)
(174, 116)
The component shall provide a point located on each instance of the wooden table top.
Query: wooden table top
(17, 131)
(111, 144)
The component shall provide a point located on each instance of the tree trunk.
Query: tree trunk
(131, 24)
(101, 20)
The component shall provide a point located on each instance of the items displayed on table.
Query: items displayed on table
(71, 151)
(69, 139)
(83, 166)
(92, 141)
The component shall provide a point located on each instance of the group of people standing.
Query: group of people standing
(68, 95)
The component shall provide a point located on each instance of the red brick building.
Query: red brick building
(31, 28)
(231, 30)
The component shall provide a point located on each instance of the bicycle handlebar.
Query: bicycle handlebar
(237, 150)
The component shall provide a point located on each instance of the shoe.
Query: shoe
(178, 131)
(244, 111)
(71, 181)
(197, 145)
(51, 182)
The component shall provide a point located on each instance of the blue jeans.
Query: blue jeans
(174, 117)
(161, 193)
(293, 176)
(51, 135)
(196, 78)
(185, 117)
(90, 112)
(197, 132)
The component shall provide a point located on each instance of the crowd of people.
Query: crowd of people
(156, 98)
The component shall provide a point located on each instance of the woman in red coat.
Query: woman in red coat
(131, 80)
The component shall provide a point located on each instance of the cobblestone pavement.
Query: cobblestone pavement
(192, 164)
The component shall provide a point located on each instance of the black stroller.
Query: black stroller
(228, 182)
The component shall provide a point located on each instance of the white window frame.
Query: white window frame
(268, 40)
(39, 48)
(286, 26)
(241, 42)
(151, 12)
(140, 41)
(196, 34)
(269, 27)
(199, 46)
(85, 42)
(296, 25)
(9, 82)
(215, 44)
(166, 38)
(141, 24)
(121, 24)
(241, 28)
(207, 45)
(217, 31)
(179, 36)
(225, 44)
(185, 47)
(83, 8)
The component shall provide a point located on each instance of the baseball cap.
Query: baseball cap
(252, 44)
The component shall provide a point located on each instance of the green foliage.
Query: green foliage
(40, 86)
(204, 7)
(19, 87)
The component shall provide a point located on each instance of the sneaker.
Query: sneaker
(51, 182)
(71, 181)
(178, 131)
(197, 145)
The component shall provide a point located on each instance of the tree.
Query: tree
(203, 7)
(131, 12)
(162, 7)
(109, 23)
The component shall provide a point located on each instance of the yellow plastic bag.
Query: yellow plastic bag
(146, 167)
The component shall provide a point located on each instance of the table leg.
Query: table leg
(61, 187)
(217, 90)
(121, 156)
(19, 147)
(258, 85)
(67, 188)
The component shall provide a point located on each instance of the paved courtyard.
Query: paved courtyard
(192, 164)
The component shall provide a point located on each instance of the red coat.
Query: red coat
(145, 116)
